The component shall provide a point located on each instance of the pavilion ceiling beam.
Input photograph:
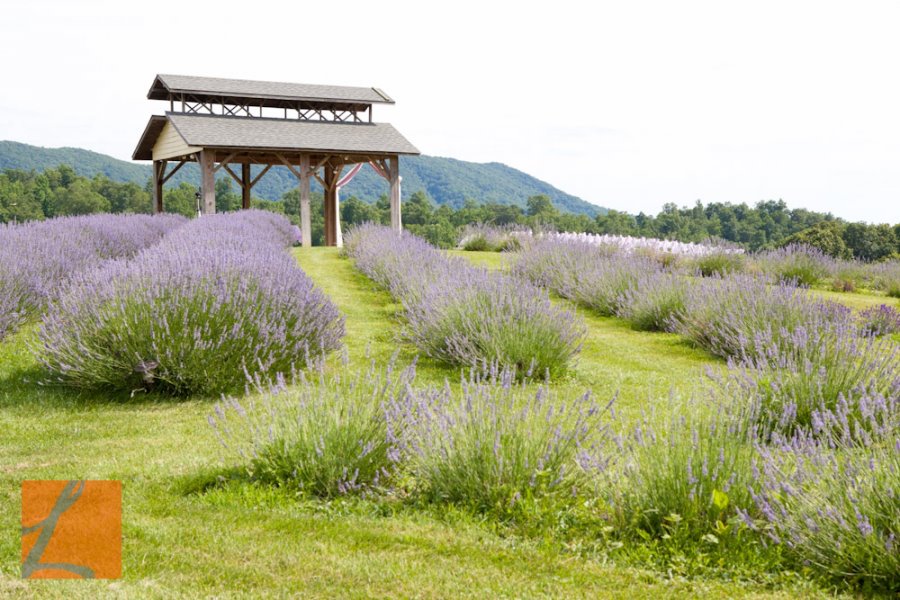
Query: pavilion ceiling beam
(224, 161)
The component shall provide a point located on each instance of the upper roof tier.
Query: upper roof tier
(269, 93)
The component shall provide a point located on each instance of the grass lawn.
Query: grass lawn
(185, 536)
(858, 301)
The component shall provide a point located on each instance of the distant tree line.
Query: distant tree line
(31, 195)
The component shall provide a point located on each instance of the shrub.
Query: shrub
(38, 258)
(741, 316)
(558, 264)
(465, 315)
(884, 276)
(609, 283)
(848, 276)
(480, 318)
(830, 499)
(490, 238)
(686, 480)
(191, 315)
(802, 265)
(598, 277)
(513, 243)
(720, 263)
(818, 366)
(328, 434)
(655, 302)
(880, 320)
(498, 445)
(477, 243)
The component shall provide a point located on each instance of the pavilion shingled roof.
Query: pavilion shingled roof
(210, 131)
(166, 85)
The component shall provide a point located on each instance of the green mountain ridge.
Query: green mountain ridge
(445, 180)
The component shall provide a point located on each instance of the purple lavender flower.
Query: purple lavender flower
(465, 315)
(218, 299)
(38, 258)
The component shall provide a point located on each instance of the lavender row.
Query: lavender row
(480, 237)
(464, 315)
(37, 258)
(698, 480)
(792, 349)
(215, 301)
(796, 263)
(489, 447)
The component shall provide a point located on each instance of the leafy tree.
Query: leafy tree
(826, 236)
(355, 212)
(417, 210)
(540, 206)
(123, 197)
(616, 223)
(16, 204)
(80, 199)
(181, 200)
(227, 200)
(870, 242)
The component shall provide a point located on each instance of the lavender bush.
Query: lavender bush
(558, 264)
(743, 316)
(848, 275)
(598, 277)
(328, 434)
(799, 264)
(880, 320)
(885, 276)
(464, 315)
(216, 299)
(831, 498)
(38, 258)
(687, 479)
(720, 263)
(491, 238)
(655, 302)
(818, 365)
(497, 445)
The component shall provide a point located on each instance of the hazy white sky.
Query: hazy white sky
(626, 104)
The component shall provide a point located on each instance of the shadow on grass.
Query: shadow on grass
(209, 479)
(28, 385)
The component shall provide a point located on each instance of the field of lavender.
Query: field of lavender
(566, 418)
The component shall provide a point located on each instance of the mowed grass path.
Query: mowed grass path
(186, 538)
(641, 368)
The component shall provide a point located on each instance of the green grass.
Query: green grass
(857, 301)
(491, 260)
(185, 536)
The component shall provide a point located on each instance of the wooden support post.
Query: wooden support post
(330, 187)
(305, 217)
(338, 235)
(208, 182)
(394, 166)
(159, 171)
(245, 185)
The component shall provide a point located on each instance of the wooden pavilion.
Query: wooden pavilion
(316, 131)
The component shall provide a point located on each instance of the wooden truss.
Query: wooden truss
(204, 105)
